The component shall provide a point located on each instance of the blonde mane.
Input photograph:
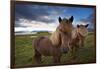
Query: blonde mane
(77, 31)
(55, 37)
(83, 32)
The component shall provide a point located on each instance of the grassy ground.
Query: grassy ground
(24, 51)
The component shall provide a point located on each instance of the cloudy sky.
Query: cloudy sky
(30, 17)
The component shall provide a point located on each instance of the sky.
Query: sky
(34, 17)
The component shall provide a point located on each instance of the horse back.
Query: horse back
(43, 45)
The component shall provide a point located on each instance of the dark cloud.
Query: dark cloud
(32, 12)
(49, 14)
(37, 13)
(90, 20)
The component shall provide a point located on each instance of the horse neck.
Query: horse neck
(65, 38)
(55, 38)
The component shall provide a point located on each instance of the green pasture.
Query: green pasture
(24, 51)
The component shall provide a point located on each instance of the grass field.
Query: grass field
(24, 51)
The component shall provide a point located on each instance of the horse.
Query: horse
(78, 37)
(56, 44)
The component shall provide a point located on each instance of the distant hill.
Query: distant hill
(31, 32)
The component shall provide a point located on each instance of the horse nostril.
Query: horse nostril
(64, 50)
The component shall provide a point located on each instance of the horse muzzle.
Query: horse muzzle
(64, 50)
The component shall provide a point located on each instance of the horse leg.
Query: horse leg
(75, 52)
(82, 42)
(57, 56)
(37, 57)
(72, 52)
(56, 59)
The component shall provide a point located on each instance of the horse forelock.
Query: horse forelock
(82, 32)
(77, 32)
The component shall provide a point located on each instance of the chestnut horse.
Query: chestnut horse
(78, 38)
(56, 44)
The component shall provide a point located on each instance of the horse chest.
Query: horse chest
(46, 48)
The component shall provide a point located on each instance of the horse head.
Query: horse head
(65, 27)
(82, 29)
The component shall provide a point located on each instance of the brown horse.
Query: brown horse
(57, 43)
(78, 38)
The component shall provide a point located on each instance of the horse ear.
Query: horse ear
(71, 18)
(78, 26)
(86, 25)
(60, 19)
